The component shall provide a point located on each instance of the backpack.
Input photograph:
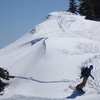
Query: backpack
(84, 70)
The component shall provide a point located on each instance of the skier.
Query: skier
(85, 75)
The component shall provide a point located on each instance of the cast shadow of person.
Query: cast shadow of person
(74, 95)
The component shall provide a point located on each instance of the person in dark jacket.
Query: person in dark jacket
(85, 78)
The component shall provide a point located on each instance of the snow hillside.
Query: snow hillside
(47, 60)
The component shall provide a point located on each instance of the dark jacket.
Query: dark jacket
(88, 73)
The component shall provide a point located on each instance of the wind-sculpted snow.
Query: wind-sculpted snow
(33, 31)
(46, 61)
(25, 53)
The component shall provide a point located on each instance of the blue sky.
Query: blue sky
(17, 17)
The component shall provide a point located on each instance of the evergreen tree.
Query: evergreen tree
(4, 74)
(97, 9)
(82, 7)
(72, 6)
(86, 8)
(90, 10)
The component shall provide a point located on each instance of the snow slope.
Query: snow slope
(47, 60)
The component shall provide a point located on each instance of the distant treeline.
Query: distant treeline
(88, 8)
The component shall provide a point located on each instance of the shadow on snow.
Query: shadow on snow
(74, 95)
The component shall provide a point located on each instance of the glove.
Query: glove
(93, 78)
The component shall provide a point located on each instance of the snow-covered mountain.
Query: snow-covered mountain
(47, 60)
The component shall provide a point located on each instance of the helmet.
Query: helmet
(91, 67)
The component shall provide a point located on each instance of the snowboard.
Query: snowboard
(80, 91)
(76, 90)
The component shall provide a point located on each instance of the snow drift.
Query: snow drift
(47, 60)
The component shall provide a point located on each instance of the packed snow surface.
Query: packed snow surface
(47, 60)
